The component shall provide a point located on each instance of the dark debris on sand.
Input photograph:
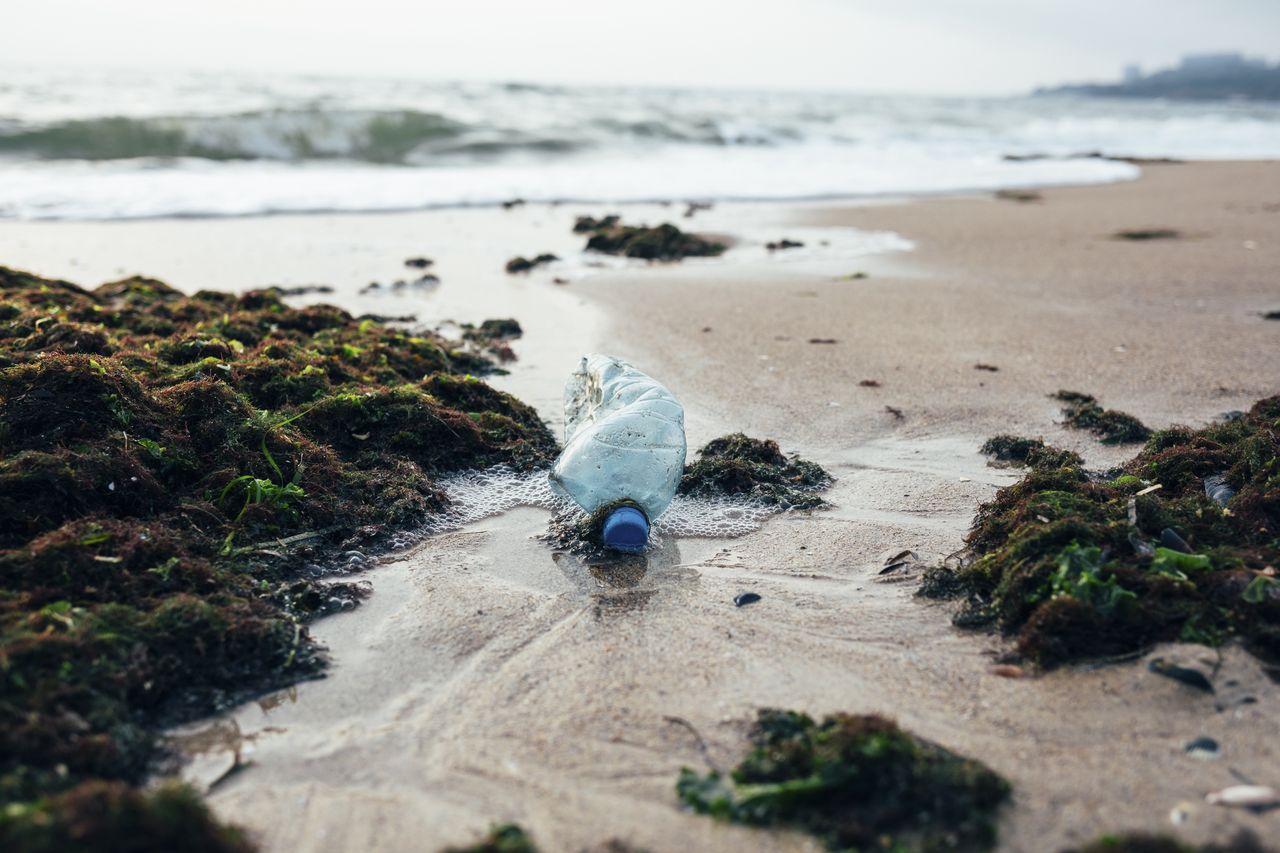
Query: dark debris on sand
(1140, 842)
(663, 242)
(171, 469)
(1142, 234)
(1182, 543)
(857, 782)
(741, 466)
(1031, 452)
(494, 336)
(1083, 412)
(111, 817)
(523, 264)
(587, 224)
(507, 838)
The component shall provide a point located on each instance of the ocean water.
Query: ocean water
(130, 145)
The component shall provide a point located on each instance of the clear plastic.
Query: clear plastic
(623, 438)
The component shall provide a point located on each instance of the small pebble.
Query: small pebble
(744, 598)
(1008, 670)
(1204, 748)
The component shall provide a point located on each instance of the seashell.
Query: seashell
(744, 598)
(1245, 797)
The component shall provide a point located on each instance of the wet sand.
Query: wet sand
(486, 680)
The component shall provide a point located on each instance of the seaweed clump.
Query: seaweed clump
(663, 242)
(522, 264)
(172, 470)
(111, 816)
(1031, 452)
(1083, 412)
(1143, 234)
(1140, 842)
(757, 468)
(858, 782)
(1182, 543)
(507, 838)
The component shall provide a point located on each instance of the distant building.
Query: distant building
(1226, 75)
(1212, 63)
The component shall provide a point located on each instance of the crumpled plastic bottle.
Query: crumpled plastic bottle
(623, 441)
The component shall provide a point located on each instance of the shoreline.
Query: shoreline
(445, 748)
(485, 681)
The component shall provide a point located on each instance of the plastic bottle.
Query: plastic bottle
(623, 441)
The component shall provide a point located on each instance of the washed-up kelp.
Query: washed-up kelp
(114, 818)
(168, 465)
(507, 838)
(1243, 842)
(750, 467)
(663, 242)
(1182, 543)
(1032, 452)
(856, 782)
(1083, 412)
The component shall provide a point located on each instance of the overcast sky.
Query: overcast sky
(925, 46)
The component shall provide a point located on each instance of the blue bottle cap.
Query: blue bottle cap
(626, 529)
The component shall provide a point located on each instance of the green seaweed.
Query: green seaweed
(111, 817)
(506, 838)
(1141, 842)
(1083, 412)
(663, 242)
(756, 468)
(1032, 452)
(1071, 565)
(162, 490)
(857, 782)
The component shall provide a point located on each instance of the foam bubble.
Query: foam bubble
(483, 494)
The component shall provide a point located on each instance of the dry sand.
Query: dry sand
(486, 680)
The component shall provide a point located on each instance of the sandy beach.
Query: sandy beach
(487, 679)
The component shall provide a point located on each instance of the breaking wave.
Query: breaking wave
(79, 145)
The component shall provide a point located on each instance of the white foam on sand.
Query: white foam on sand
(482, 494)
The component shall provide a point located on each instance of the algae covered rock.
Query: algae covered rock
(167, 468)
(858, 782)
(1079, 566)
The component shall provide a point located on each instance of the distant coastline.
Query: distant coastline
(1199, 77)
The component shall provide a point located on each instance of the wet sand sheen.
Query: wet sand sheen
(483, 681)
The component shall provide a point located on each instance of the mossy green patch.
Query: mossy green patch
(1076, 566)
(756, 468)
(161, 490)
(858, 782)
